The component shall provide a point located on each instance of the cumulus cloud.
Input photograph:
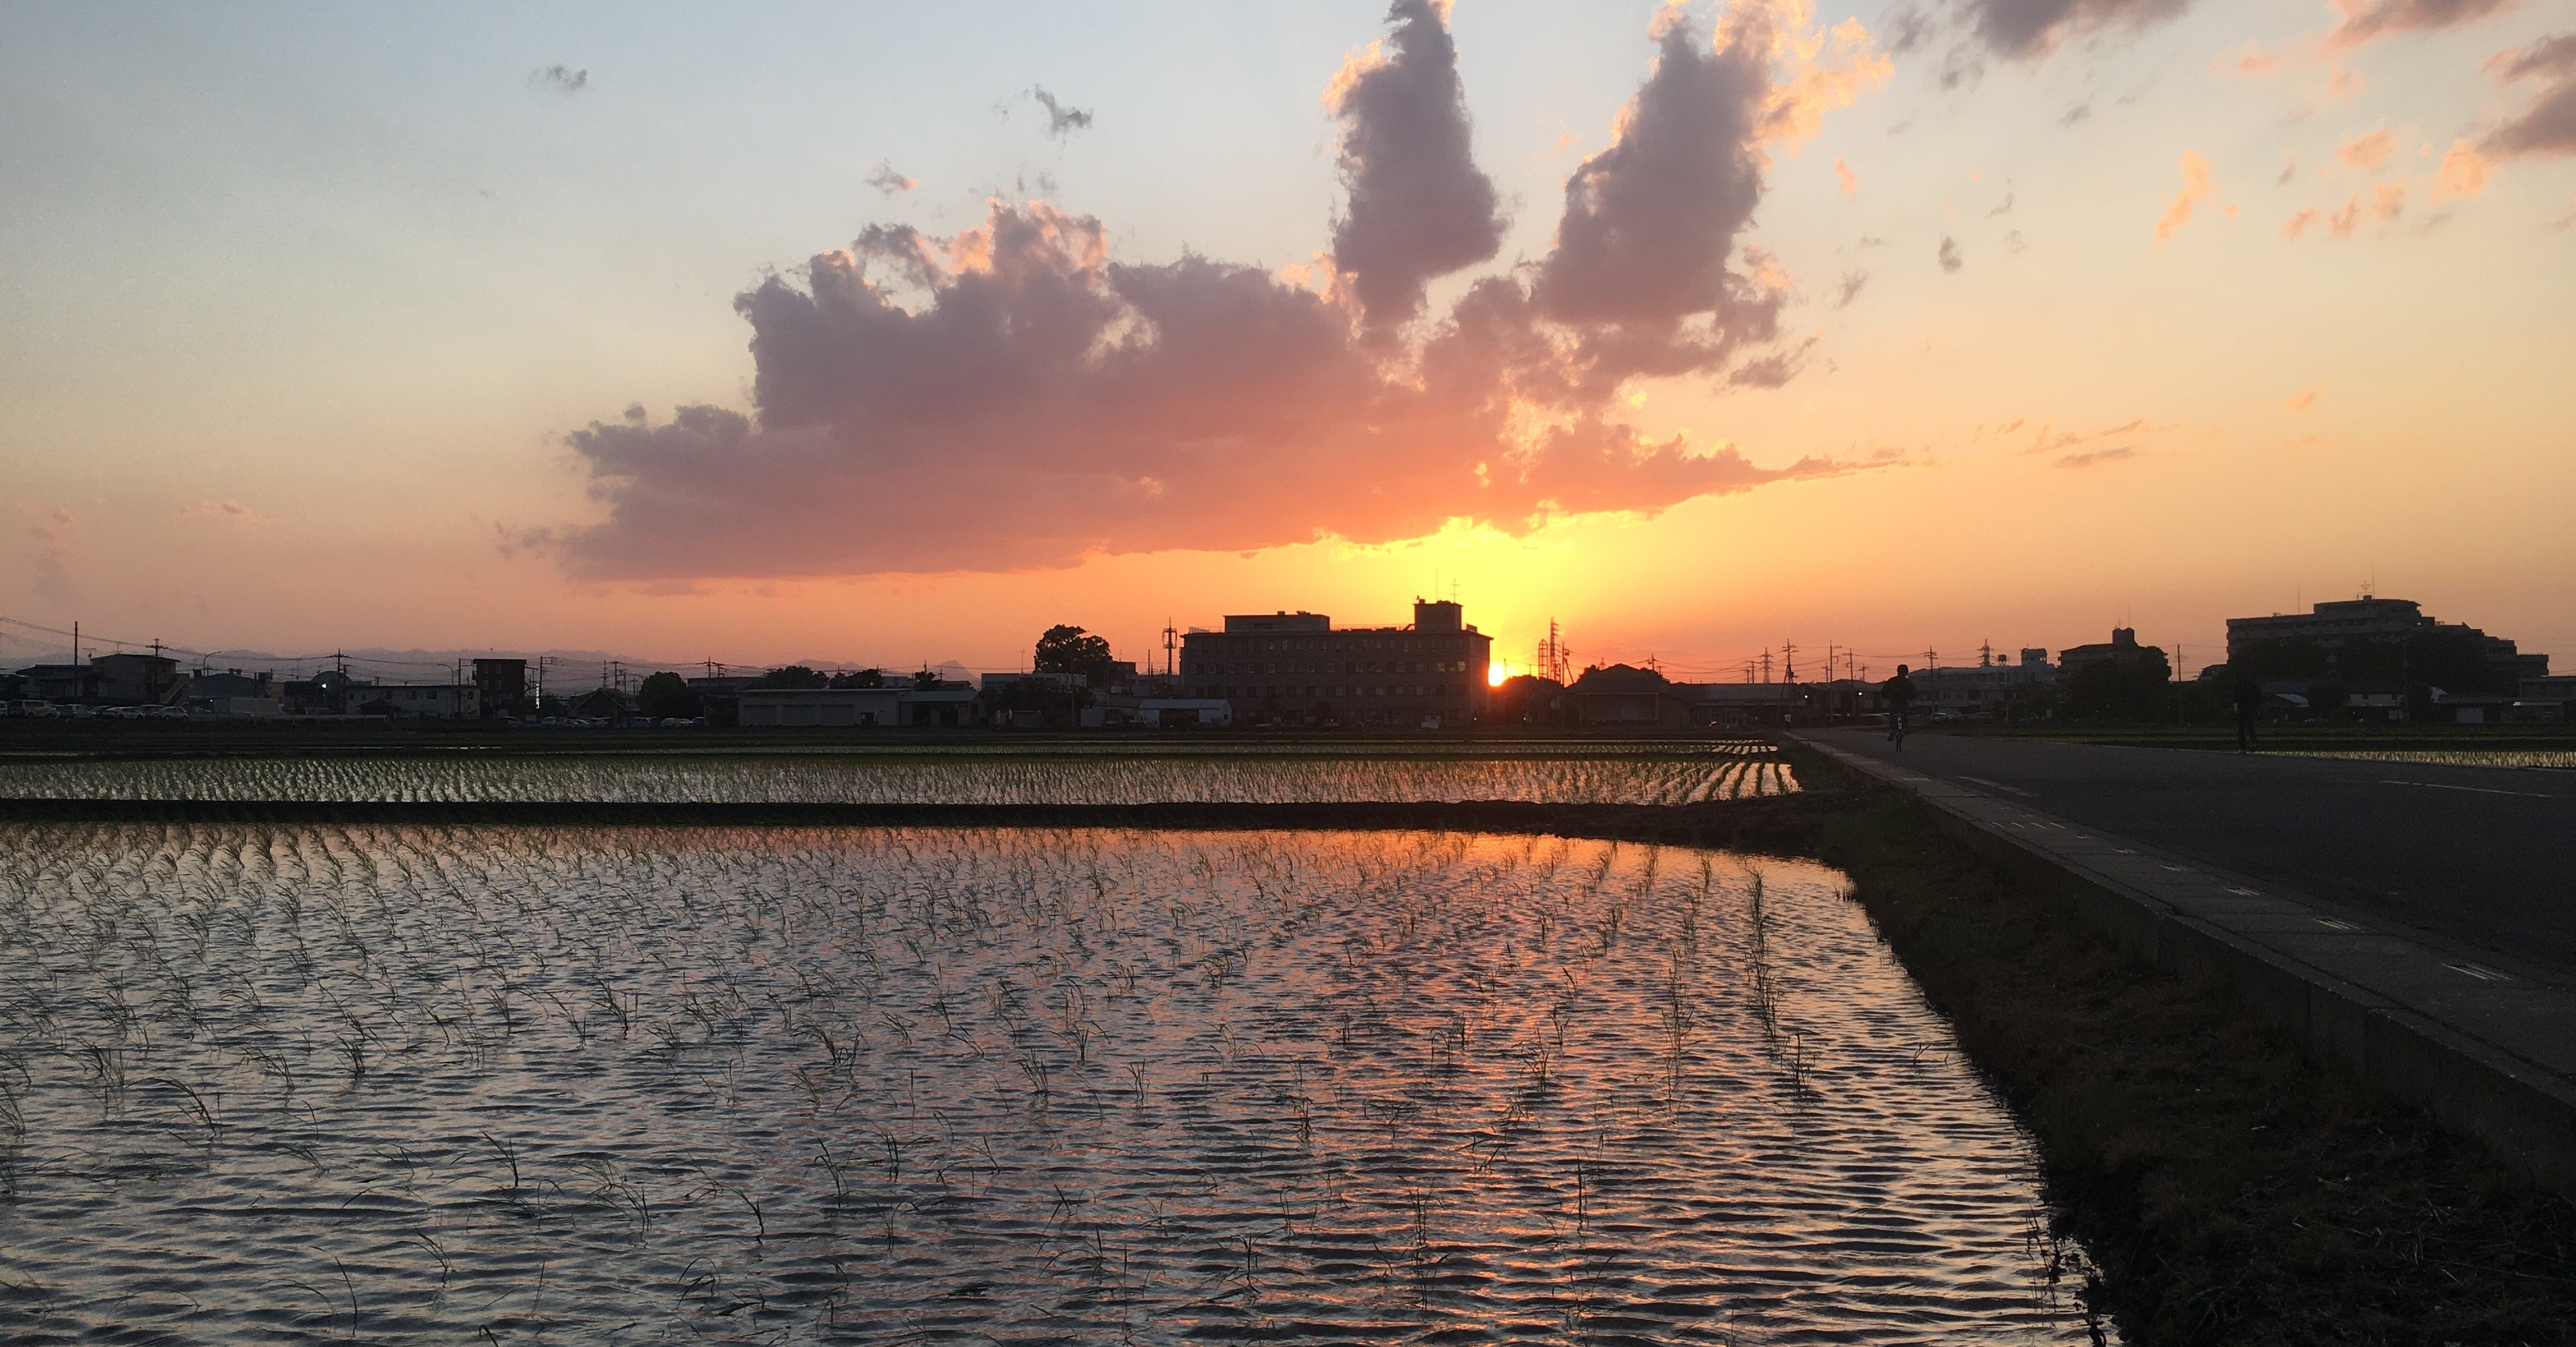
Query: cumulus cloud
(2546, 129)
(1063, 119)
(2370, 20)
(2029, 29)
(886, 180)
(1849, 181)
(1419, 208)
(559, 79)
(2196, 187)
(1949, 254)
(1016, 396)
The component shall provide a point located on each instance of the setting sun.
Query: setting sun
(1495, 673)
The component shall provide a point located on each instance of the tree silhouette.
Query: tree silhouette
(1071, 650)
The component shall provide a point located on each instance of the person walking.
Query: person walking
(1898, 694)
(2249, 699)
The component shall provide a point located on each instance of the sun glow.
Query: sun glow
(1495, 673)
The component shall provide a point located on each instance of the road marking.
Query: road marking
(2338, 925)
(1997, 785)
(2482, 790)
(2249, 893)
(2479, 971)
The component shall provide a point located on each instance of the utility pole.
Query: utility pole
(1788, 662)
(1171, 645)
(1986, 655)
(1766, 666)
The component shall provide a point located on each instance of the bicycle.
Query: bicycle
(1897, 716)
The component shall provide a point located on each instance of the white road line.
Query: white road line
(2482, 790)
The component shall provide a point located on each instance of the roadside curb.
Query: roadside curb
(2178, 919)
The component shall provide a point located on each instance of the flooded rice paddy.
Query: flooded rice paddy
(1721, 772)
(2557, 759)
(387, 1084)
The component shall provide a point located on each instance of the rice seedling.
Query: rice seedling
(1178, 1065)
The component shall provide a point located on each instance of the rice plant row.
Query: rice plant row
(390, 1084)
(861, 780)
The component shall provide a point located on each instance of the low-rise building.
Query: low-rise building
(421, 701)
(945, 706)
(132, 679)
(797, 708)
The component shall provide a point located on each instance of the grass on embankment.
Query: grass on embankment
(2231, 1190)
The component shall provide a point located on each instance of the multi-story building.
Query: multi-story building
(2372, 639)
(501, 687)
(1297, 666)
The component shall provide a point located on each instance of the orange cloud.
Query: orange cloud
(1015, 396)
(2462, 174)
(2367, 151)
(227, 509)
(2196, 186)
(1850, 180)
(2302, 400)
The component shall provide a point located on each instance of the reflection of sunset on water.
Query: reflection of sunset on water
(1069, 1084)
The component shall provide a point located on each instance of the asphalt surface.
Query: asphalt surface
(2474, 858)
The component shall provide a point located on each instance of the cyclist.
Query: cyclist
(1898, 694)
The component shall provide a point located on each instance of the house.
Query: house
(1625, 695)
(606, 704)
(232, 693)
(60, 683)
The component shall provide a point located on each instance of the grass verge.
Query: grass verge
(2230, 1190)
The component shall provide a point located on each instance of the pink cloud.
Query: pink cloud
(2196, 187)
(2367, 151)
(1016, 395)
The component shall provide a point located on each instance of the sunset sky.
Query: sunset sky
(893, 334)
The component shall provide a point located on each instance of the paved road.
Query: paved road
(2474, 858)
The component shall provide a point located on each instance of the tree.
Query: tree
(666, 694)
(1071, 650)
(793, 676)
(860, 678)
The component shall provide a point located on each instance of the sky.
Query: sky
(894, 334)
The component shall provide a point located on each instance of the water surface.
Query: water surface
(447, 1084)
